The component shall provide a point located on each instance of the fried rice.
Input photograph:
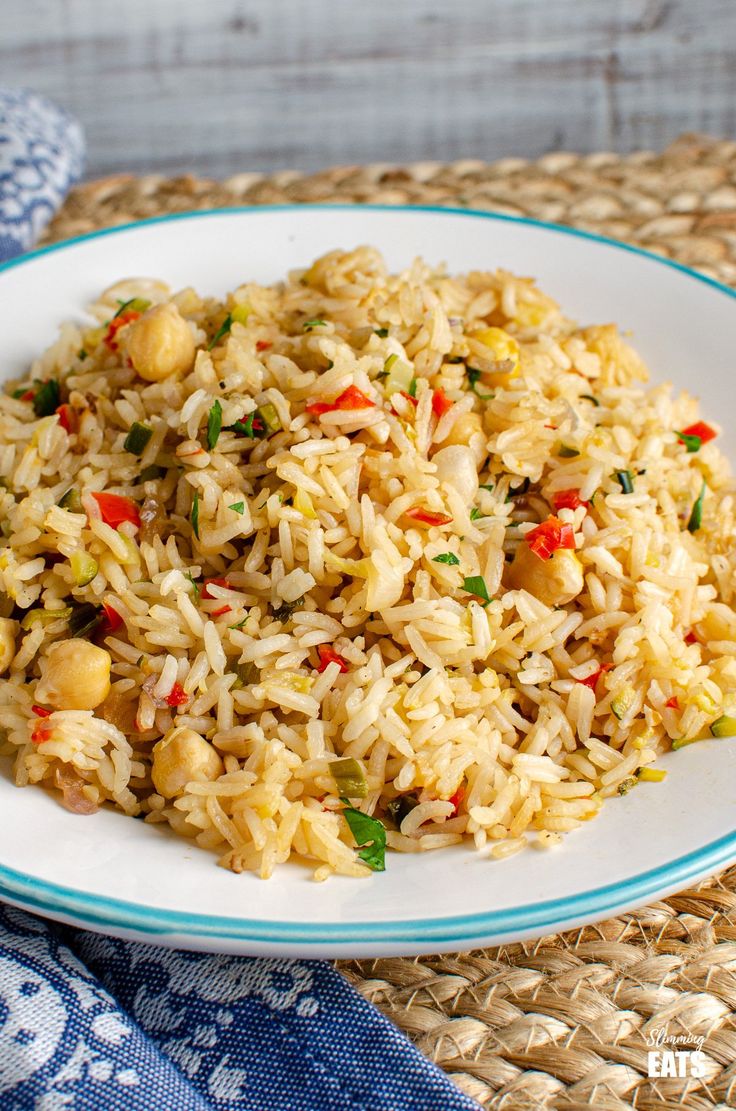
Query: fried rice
(357, 561)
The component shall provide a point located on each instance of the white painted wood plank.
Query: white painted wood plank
(264, 84)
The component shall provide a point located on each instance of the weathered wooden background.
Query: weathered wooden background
(216, 86)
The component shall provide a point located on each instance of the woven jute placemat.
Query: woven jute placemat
(566, 1021)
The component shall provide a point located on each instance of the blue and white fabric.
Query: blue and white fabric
(41, 156)
(92, 1023)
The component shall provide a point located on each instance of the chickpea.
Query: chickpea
(8, 630)
(76, 677)
(160, 344)
(182, 757)
(555, 581)
(468, 431)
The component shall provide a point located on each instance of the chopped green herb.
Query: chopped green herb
(696, 514)
(476, 585)
(447, 557)
(194, 584)
(724, 726)
(626, 784)
(382, 332)
(399, 807)
(247, 427)
(308, 325)
(214, 425)
(487, 486)
(589, 397)
(84, 619)
(475, 514)
(286, 609)
(195, 514)
(84, 567)
(566, 452)
(269, 418)
(454, 359)
(135, 304)
(412, 391)
(370, 836)
(626, 481)
(148, 474)
(692, 443)
(237, 506)
(683, 742)
(349, 776)
(136, 440)
(71, 501)
(473, 376)
(389, 362)
(246, 673)
(221, 332)
(238, 624)
(44, 617)
(46, 399)
(81, 354)
(17, 394)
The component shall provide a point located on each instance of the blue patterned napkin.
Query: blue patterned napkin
(97, 1024)
(41, 156)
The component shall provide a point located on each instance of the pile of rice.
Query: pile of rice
(486, 722)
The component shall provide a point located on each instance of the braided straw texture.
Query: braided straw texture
(563, 1022)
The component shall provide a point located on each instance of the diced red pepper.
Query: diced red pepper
(116, 509)
(440, 403)
(40, 733)
(568, 499)
(592, 680)
(409, 398)
(177, 696)
(41, 712)
(456, 799)
(219, 613)
(351, 398)
(673, 703)
(702, 430)
(113, 620)
(116, 324)
(213, 582)
(549, 537)
(28, 395)
(263, 345)
(690, 638)
(328, 655)
(427, 517)
(67, 418)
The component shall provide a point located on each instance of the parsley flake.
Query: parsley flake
(214, 425)
(369, 834)
(476, 585)
(195, 514)
(447, 557)
(473, 376)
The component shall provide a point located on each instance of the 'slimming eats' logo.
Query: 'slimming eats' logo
(675, 1055)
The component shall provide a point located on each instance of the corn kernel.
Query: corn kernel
(504, 349)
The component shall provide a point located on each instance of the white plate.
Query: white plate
(113, 874)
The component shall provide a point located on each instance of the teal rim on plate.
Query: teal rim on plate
(102, 912)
